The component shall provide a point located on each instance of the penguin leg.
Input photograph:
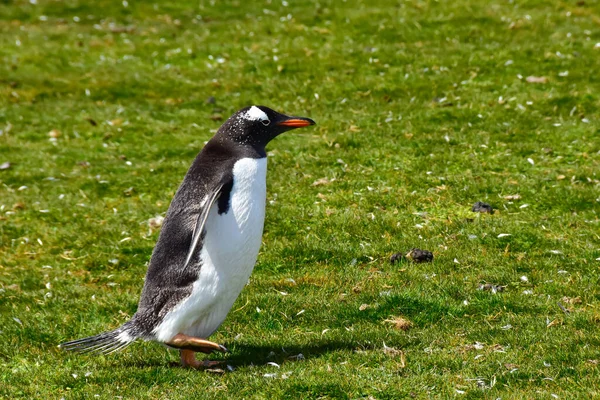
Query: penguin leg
(188, 359)
(185, 342)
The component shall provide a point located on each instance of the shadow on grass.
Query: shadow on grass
(245, 355)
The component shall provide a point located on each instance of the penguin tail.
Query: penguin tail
(104, 343)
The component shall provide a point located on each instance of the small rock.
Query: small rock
(218, 371)
(322, 181)
(156, 222)
(482, 207)
(54, 133)
(492, 288)
(397, 257)
(5, 165)
(537, 79)
(115, 122)
(419, 256)
(572, 300)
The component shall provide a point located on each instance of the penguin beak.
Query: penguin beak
(296, 122)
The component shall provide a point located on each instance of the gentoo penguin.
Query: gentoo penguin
(208, 243)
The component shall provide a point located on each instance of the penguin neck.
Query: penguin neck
(243, 150)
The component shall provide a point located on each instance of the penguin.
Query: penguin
(208, 243)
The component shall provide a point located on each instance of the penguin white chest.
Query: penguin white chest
(233, 238)
(228, 254)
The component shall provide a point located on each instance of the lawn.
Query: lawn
(422, 107)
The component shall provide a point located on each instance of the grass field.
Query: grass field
(423, 108)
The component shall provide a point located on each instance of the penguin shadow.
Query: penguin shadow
(246, 355)
(242, 355)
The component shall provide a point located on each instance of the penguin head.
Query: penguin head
(258, 125)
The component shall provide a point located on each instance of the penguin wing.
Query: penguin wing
(212, 196)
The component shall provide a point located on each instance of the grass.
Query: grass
(423, 108)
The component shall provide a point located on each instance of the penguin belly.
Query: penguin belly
(227, 257)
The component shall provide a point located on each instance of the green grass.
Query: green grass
(423, 108)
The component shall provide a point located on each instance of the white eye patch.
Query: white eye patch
(256, 114)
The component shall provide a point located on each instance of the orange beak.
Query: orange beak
(297, 122)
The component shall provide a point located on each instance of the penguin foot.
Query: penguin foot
(188, 360)
(185, 342)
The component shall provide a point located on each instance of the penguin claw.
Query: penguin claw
(223, 349)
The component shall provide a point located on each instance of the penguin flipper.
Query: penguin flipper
(201, 221)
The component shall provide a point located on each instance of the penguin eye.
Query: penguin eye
(265, 122)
